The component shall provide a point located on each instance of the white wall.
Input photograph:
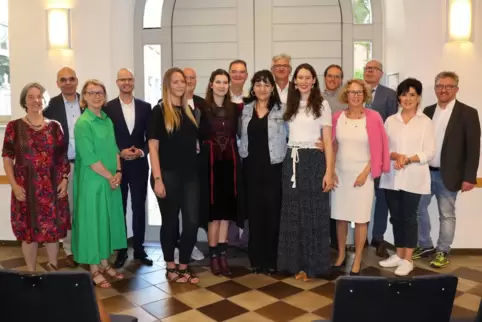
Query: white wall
(416, 47)
(102, 41)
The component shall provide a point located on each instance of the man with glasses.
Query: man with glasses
(65, 109)
(333, 80)
(281, 69)
(453, 168)
(384, 101)
(130, 117)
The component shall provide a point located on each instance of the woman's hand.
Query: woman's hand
(401, 161)
(62, 188)
(361, 179)
(116, 180)
(335, 178)
(19, 192)
(328, 182)
(159, 189)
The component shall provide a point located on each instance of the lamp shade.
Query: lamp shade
(460, 20)
(58, 28)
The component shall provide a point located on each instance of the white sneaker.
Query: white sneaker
(197, 254)
(405, 268)
(176, 255)
(392, 261)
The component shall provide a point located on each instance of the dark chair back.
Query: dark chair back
(379, 299)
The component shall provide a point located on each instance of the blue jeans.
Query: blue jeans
(446, 208)
(380, 218)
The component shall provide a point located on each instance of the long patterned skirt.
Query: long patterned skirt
(305, 216)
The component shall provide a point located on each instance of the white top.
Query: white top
(238, 99)
(414, 138)
(283, 94)
(440, 120)
(190, 102)
(129, 114)
(304, 129)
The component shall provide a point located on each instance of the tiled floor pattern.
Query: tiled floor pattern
(245, 297)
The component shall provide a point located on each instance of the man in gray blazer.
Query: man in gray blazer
(384, 102)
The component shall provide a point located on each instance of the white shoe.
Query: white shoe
(196, 254)
(392, 261)
(405, 268)
(176, 255)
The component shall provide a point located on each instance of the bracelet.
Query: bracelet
(66, 177)
(157, 178)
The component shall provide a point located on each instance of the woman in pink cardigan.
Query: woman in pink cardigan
(362, 155)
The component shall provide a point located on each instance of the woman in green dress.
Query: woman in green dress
(98, 227)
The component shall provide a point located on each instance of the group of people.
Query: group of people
(274, 164)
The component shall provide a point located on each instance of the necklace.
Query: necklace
(353, 117)
(33, 125)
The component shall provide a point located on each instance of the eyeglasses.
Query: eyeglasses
(355, 93)
(281, 66)
(371, 68)
(329, 76)
(126, 80)
(67, 79)
(96, 94)
(441, 87)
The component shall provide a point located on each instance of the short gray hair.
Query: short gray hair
(447, 74)
(26, 88)
(281, 56)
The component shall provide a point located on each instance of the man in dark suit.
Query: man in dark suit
(130, 117)
(453, 168)
(65, 108)
(384, 102)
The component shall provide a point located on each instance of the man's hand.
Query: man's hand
(467, 186)
(138, 153)
(128, 154)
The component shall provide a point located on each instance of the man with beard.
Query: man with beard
(130, 117)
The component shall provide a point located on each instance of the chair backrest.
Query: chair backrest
(53, 297)
(380, 299)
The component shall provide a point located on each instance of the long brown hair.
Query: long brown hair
(227, 104)
(315, 100)
(172, 117)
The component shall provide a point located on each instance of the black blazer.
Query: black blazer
(138, 137)
(459, 159)
(56, 111)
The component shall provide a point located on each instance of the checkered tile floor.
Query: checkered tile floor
(146, 294)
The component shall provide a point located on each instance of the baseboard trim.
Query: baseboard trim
(454, 251)
(130, 242)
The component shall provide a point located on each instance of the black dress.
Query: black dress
(263, 196)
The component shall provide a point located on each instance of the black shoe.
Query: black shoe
(143, 258)
(255, 270)
(354, 273)
(339, 266)
(270, 271)
(121, 259)
(375, 242)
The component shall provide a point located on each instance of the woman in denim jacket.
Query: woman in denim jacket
(263, 148)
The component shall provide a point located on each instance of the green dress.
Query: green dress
(98, 223)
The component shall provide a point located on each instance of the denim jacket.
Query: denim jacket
(277, 134)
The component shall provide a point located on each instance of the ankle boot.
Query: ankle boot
(214, 264)
(223, 262)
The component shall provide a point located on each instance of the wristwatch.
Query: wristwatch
(118, 171)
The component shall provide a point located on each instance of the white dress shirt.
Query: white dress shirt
(283, 94)
(73, 112)
(414, 138)
(238, 99)
(440, 120)
(129, 114)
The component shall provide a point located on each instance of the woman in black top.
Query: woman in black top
(218, 130)
(173, 134)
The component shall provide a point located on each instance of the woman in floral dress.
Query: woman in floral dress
(37, 168)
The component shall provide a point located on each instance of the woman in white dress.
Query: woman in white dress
(361, 148)
(411, 142)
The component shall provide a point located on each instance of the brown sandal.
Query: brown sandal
(102, 284)
(108, 270)
(178, 278)
(190, 276)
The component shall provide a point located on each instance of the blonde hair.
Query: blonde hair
(83, 102)
(367, 92)
(172, 118)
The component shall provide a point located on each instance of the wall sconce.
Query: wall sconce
(58, 28)
(460, 20)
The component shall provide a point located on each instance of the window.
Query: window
(152, 74)
(5, 92)
(153, 14)
(362, 53)
(362, 11)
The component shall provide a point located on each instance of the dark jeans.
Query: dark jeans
(182, 193)
(380, 218)
(403, 216)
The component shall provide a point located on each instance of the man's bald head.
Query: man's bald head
(67, 81)
(123, 72)
(125, 81)
(191, 80)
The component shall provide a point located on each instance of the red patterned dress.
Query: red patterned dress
(40, 162)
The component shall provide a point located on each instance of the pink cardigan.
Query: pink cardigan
(377, 140)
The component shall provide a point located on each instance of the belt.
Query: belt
(72, 160)
(434, 169)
